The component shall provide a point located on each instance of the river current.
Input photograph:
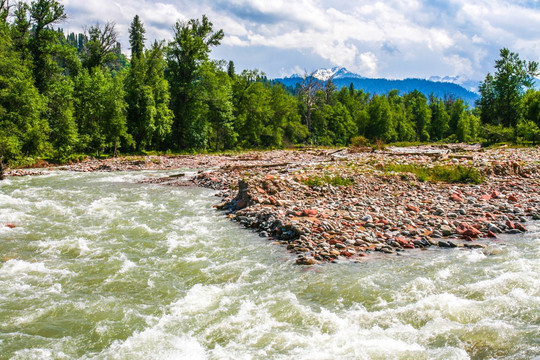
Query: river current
(99, 266)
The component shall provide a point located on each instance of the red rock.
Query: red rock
(309, 212)
(412, 208)
(11, 226)
(491, 234)
(468, 231)
(456, 197)
(485, 197)
(510, 224)
(495, 194)
(512, 198)
(520, 227)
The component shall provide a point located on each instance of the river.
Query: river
(99, 266)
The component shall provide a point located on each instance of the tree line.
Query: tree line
(77, 93)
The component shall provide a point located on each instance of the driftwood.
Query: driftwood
(252, 166)
(177, 175)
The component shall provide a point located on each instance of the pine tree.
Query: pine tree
(136, 38)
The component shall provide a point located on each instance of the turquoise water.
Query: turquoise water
(101, 267)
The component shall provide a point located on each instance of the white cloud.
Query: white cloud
(391, 38)
(368, 63)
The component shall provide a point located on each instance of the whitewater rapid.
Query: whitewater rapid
(99, 266)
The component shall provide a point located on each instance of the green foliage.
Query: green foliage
(44, 14)
(23, 132)
(100, 111)
(333, 179)
(501, 94)
(439, 173)
(494, 134)
(528, 131)
(188, 50)
(419, 113)
(136, 38)
(439, 119)
(100, 48)
(359, 141)
(531, 106)
(149, 118)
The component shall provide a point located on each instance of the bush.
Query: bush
(359, 141)
(442, 173)
(331, 179)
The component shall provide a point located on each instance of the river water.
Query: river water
(101, 267)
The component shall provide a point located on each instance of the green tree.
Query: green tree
(418, 113)
(501, 94)
(64, 134)
(44, 14)
(100, 110)
(216, 93)
(149, 118)
(230, 70)
(381, 123)
(100, 49)
(439, 119)
(136, 37)
(188, 50)
(531, 106)
(404, 127)
(23, 132)
(20, 31)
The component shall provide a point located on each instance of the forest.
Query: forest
(62, 95)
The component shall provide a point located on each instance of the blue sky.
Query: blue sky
(392, 39)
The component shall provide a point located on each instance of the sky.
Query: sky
(392, 39)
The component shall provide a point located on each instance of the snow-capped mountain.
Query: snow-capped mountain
(327, 74)
(441, 87)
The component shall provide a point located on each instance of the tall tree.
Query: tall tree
(20, 32)
(149, 118)
(501, 94)
(100, 110)
(136, 37)
(439, 119)
(308, 88)
(22, 129)
(44, 14)
(419, 113)
(188, 50)
(101, 46)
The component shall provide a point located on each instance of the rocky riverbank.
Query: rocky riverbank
(293, 199)
(326, 205)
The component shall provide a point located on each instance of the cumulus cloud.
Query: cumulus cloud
(391, 38)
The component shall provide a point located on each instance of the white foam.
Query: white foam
(155, 343)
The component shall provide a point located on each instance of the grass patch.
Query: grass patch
(442, 173)
(327, 179)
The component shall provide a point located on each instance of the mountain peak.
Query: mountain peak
(332, 73)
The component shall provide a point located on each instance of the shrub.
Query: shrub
(331, 179)
(442, 173)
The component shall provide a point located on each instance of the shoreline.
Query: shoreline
(374, 212)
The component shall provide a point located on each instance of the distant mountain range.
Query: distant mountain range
(441, 87)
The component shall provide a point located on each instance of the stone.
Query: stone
(512, 198)
(457, 198)
(446, 230)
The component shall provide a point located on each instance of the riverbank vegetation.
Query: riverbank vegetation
(67, 94)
